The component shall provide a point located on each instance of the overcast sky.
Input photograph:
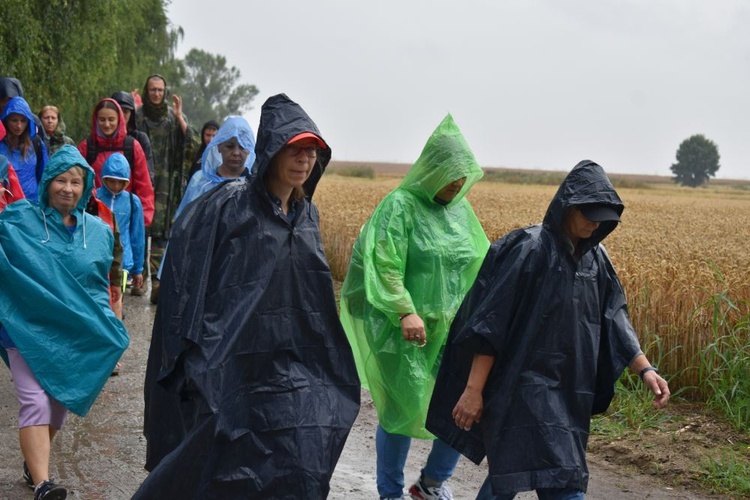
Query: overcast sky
(536, 84)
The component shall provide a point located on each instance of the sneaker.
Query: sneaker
(138, 292)
(50, 491)
(420, 491)
(154, 291)
(27, 476)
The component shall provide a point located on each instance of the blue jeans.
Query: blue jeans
(485, 493)
(392, 450)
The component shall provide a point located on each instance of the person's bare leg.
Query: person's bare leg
(35, 446)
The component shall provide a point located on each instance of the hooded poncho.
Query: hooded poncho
(412, 255)
(168, 144)
(208, 176)
(54, 300)
(251, 387)
(561, 335)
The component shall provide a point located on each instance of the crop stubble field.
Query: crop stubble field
(675, 250)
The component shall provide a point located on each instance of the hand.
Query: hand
(469, 408)
(137, 280)
(412, 328)
(177, 106)
(658, 386)
(115, 292)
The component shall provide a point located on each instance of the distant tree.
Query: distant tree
(697, 160)
(210, 90)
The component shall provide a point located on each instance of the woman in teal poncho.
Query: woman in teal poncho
(412, 264)
(58, 336)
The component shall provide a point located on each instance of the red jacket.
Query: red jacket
(8, 179)
(140, 183)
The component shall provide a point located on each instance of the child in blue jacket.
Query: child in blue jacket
(128, 212)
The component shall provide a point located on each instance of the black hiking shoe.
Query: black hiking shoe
(27, 476)
(50, 491)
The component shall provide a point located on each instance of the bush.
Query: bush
(362, 171)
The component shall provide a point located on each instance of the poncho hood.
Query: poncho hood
(234, 126)
(446, 157)
(586, 183)
(19, 106)
(280, 120)
(10, 87)
(63, 160)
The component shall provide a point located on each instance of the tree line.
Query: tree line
(72, 53)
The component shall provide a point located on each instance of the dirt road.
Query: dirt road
(101, 457)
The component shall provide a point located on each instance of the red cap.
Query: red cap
(308, 135)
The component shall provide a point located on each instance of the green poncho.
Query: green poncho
(413, 255)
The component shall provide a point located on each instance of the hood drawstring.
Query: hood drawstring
(46, 230)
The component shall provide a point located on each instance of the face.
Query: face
(49, 121)
(156, 90)
(126, 113)
(65, 190)
(578, 227)
(209, 134)
(233, 157)
(107, 120)
(114, 185)
(450, 191)
(16, 124)
(292, 165)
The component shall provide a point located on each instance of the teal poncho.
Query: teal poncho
(413, 255)
(54, 298)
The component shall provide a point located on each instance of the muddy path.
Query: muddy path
(101, 456)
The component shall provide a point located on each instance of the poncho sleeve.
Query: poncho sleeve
(386, 247)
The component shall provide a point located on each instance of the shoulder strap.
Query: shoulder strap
(92, 150)
(37, 142)
(127, 150)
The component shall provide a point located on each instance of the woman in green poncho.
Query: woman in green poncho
(412, 264)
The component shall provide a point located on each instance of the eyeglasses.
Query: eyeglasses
(310, 151)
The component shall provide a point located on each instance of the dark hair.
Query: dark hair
(107, 104)
(24, 140)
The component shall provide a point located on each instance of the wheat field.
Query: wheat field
(683, 255)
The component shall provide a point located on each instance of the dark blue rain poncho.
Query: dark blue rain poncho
(54, 292)
(251, 387)
(561, 335)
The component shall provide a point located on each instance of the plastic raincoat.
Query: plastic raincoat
(207, 177)
(54, 300)
(561, 335)
(128, 212)
(27, 167)
(251, 387)
(413, 255)
(140, 179)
